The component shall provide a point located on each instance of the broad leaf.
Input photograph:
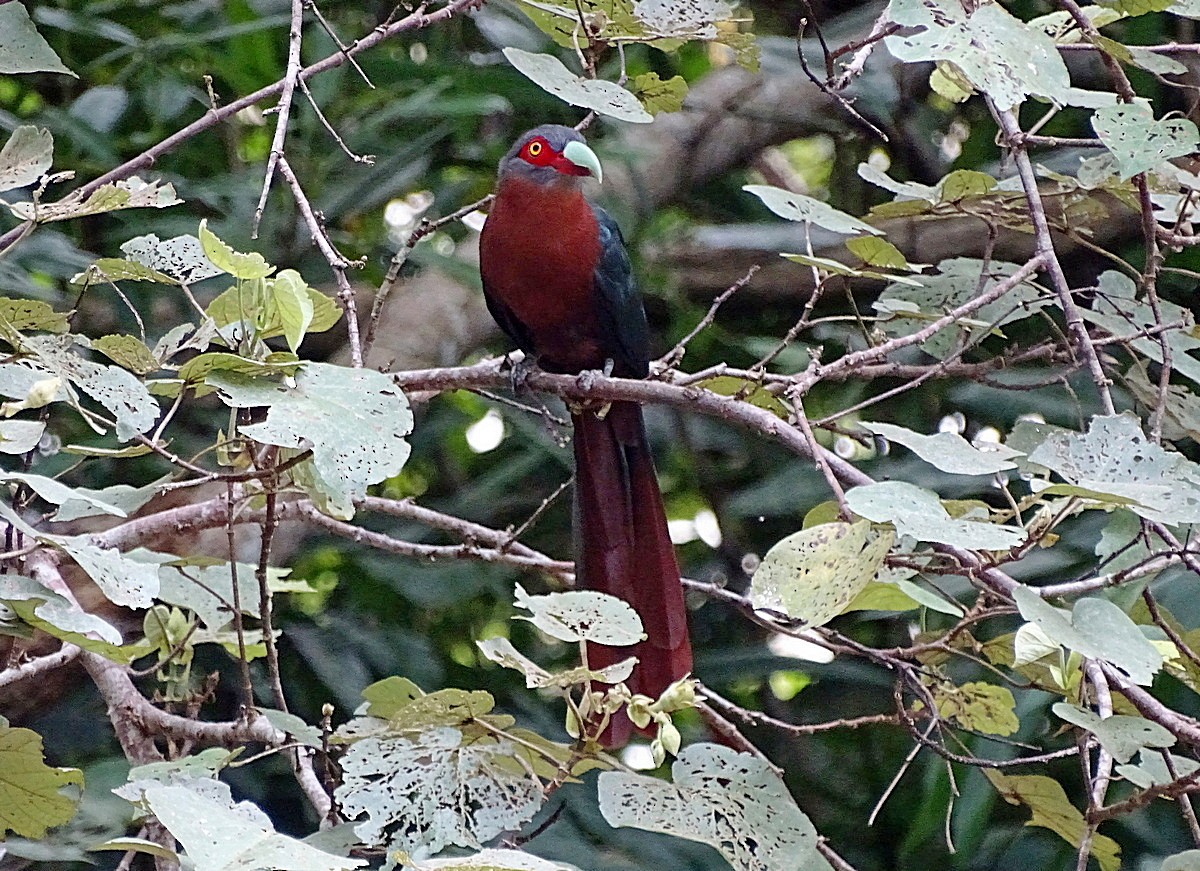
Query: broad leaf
(980, 706)
(83, 501)
(222, 256)
(124, 581)
(128, 353)
(1120, 735)
(607, 98)
(30, 801)
(22, 48)
(1138, 142)
(493, 860)
(26, 155)
(58, 493)
(582, 615)
(729, 800)
(919, 513)
(502, 652)
(20, 436)
(798, 207)
(813, 574)
(949, 451)
(129, 193)
(1052, 810)
(354, 420)
(658, 95)
(181, 257)
(435, 791)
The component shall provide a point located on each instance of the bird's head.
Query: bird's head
(551, 155)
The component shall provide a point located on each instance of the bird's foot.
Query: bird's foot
(587, 380)
(518, 373)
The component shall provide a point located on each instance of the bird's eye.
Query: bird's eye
(535, 148)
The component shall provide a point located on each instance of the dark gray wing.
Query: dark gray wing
(623, 328)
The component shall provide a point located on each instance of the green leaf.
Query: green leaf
(295, 727)
(22, 48)
(1095, 628)
(236, 306)
(203, 765)
(123, 581)
(657, 95)
(948, 451)
(963, 184)
(203, 365)
(129, 193)
(222, 256)
(128, 353)
(355, 421)
(290, 296)
(1120, 735)
(63, 619)
(116, 269)
(959, 280)
(20, 315)
(181, 257)
(731, 801)
(1188, 860)
(207, 590)
(20, 436)
(1051, 810)
(829, 266)
(920, 514)
(27, 154)
(813, 574)
(435, 791)
(58, 493)
(878, 252)
(749, 391)
(582, 615)
(798, 207)
(979, 706)
(502, 652)
(493, 860)
(1151, 770)
(999, 55)
(30, 802)
(1138, 142)
(607, 98)
(1138, 7)
(1116, 458)
(217, 837)
(881, 596)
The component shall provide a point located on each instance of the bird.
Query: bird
(558, 280)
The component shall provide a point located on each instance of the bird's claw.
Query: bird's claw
(586, 380)
(518, 373)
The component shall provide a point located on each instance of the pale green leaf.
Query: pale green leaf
(502, 652)
(1120, 735)
(1052, 810)
(208, 589)
(582, 615)
(1186, 8)
(920, 514)
(881, 596)
(117, 269)
(607, 98)
(830, 266)
(136, 845)
(948, 451)
(904, 190)
(222, 256)
(58, 493)
(1151, 770)
(1188, 860)
(123, 581)
(996, 53)
(30, 801)
(494, 860)
(405, 707)
(813, 574)
(731, 801)
(181, 257)
(959, 280)
(217, 837)
(1138, 142)
(26, 155)
(49, 608)
(20, 436)
(294, 726)
(354, 420)
(202, 365)
(129, 193)
(124, 497)
(22, 48)
(435, 791)
(798, 207)
(1115, 457)
(1095, 628)
(290, 296)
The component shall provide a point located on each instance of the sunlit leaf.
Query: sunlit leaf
(1138, 141)
(20, 436)
(1120, 735)
(58, 493)
(607, 98)
(27, 154)
(22, 48)
(813, 574)
(798, 207)
(919, 513)
(290, 296)
(729, 800)
(182, 257)
(128, 353)
(493, 860)
(980, 706)
(129, 193)
(948, 451)
(222, 256)
(30, 801)
(582, 615)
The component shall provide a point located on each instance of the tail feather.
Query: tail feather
(623, 548)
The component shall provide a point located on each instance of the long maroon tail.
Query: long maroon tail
(622, 548)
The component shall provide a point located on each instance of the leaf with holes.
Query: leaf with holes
(729, 800)
(129, 193)
(957, 282)
(582, 615)
(123, 581)
(1138, 142)
(30, 800)
(658, 95)
(493, 860)
(1152, 770)
(607, 98)
(128, 353)
(208, 589)
(57, 493)
(1120, 735)
(798, 207)
(26, 157)
(180, 257)
(222, 256)
(436, 791)
(1095, 628)
(920, 513)
(354, 420)
(999, 55)
(1052, 810)
(1115, 457)
(502, 652)
(949, 451)
(813, 574)
(117, 269)
(63, 619)
(22, 315)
